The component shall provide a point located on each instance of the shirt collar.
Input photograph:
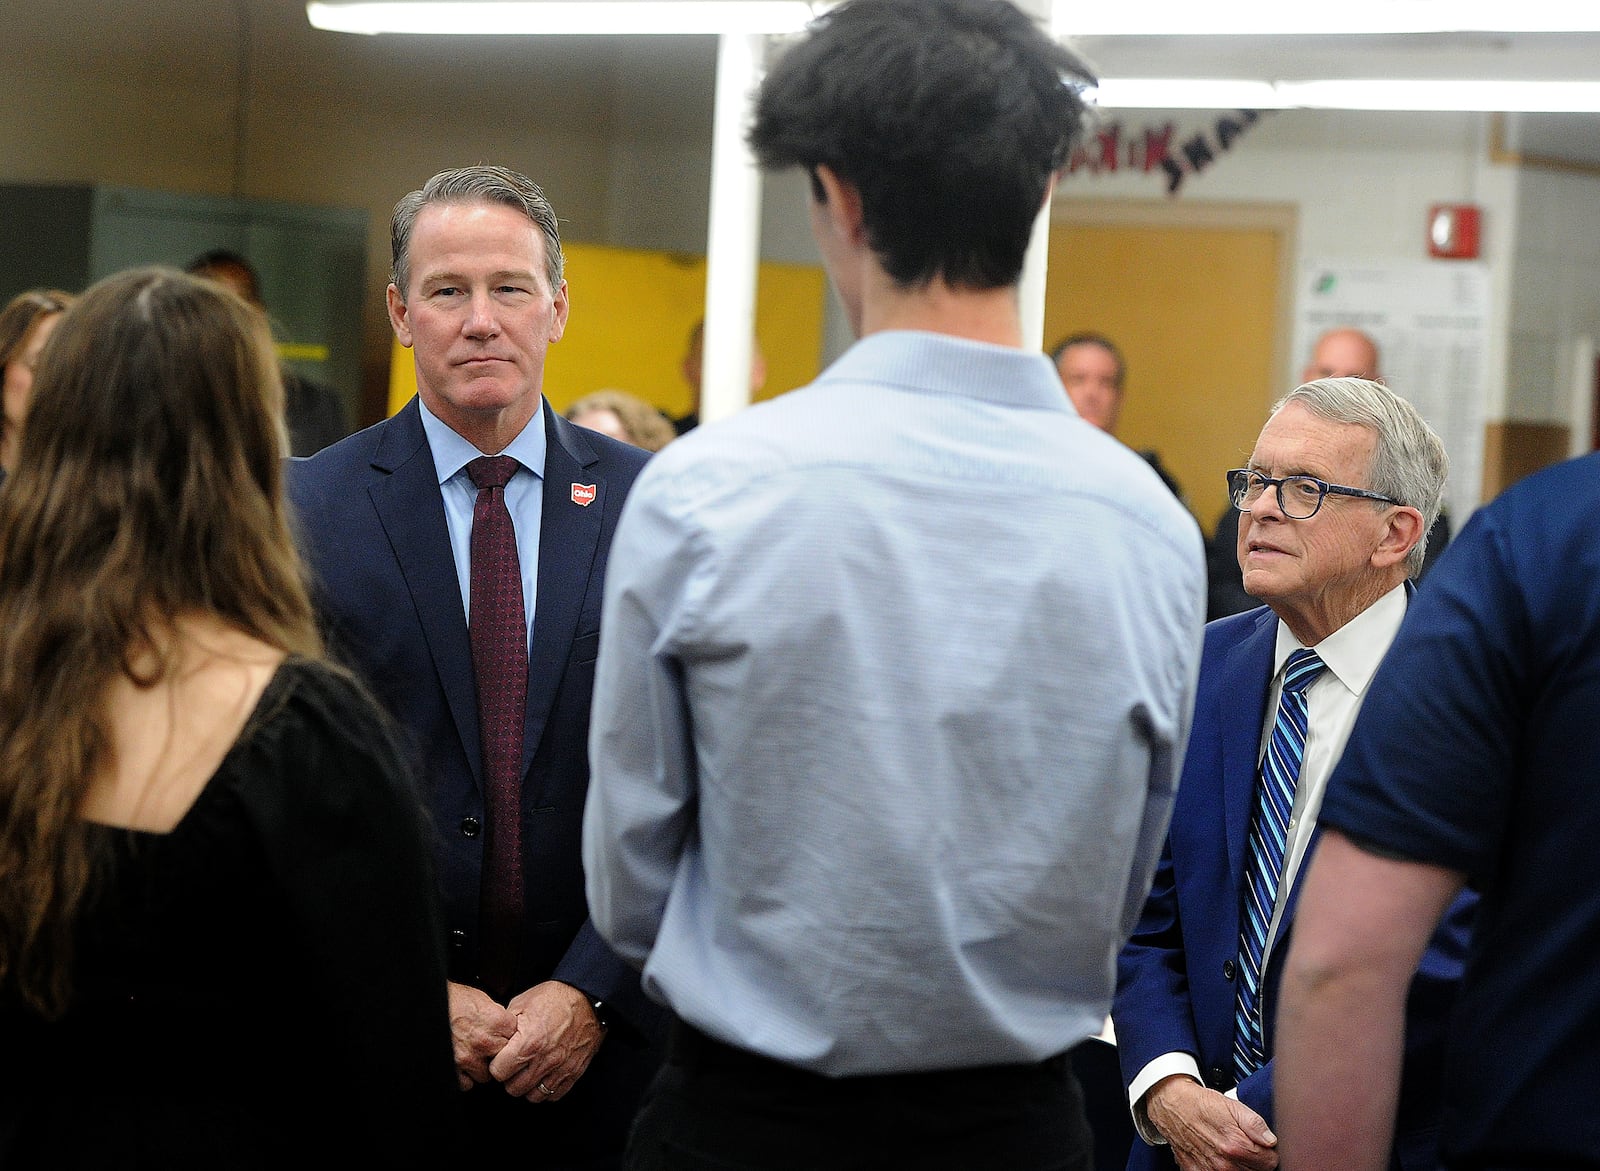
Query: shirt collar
(451, 452)
(941, 364)
(1352, 653)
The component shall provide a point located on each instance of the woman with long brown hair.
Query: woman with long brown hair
(220, 943)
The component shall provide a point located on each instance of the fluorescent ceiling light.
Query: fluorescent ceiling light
(1076, 18)
(1174, 93)
(593, 17)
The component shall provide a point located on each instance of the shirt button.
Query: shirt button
(1293, 821)
(470, 826)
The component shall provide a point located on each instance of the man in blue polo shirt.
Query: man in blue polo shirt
(1473, 761)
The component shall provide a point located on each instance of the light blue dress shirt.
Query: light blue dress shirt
(896, 678)
(524, 500)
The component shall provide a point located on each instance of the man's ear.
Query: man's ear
(561, 306)
(398, 318)
(1401, 533)
(841, 203)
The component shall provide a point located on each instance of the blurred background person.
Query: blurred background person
(25, 326)
(623, 416)
(1342, 352)
(214, 871)
(315, 412)
(693, 359)
(1095, 376)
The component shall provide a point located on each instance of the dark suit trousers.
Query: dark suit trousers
(715, 1106)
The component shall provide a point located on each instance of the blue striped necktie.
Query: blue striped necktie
(1269, 827)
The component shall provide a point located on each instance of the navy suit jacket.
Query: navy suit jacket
(371, 524)
(1175, 977)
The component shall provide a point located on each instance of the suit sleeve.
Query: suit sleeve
(1150, 1010)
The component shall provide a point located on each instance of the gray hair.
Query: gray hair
(1409, 462)
(476, 185)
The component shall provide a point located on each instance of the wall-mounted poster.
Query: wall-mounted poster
(1430, 320)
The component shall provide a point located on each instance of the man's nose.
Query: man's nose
(1266, 505)
(481, 320)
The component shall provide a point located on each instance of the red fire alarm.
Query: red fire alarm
(1453, 231)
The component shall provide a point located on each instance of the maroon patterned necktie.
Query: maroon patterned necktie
(499, 637)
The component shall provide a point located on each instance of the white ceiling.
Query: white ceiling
(110, 32)
(1422, 56)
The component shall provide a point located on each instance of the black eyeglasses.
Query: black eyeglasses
(1298, 496)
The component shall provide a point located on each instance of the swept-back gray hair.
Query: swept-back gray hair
(476, 185)
(1409, 462)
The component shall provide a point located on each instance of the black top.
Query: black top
(264, 986)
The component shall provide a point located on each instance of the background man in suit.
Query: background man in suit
(1343, 482)
(392, 520)
(314, 411)
(879, 857)
(1095, 376)
(1473, 760)
(1345, 352)
(693, 367)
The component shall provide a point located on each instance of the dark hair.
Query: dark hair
(149, 486)
(475, 185)
(948, 116)
(1088, 337)
(207, 264)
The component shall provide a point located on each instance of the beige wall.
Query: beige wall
(244, 98)
(184, 95)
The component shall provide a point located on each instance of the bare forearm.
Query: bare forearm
(1361, 928)
(1338, 1070)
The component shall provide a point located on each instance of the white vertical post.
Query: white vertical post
(733, 234)
(1031, 289)
(1581, 441)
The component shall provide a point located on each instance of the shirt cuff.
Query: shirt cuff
(1164, 1066)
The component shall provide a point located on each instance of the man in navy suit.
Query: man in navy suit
(1344, 482)
(552, 1032)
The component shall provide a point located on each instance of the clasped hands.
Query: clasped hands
(537, 1046)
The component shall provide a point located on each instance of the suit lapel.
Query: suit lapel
(569, 541)
(1246, 678)
(411, 510)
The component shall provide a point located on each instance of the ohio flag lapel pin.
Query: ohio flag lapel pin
(583, 494)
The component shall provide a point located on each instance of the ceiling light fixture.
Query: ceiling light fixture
(554, 17)
(1075, 18)
(1491, 96)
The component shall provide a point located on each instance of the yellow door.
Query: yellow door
(1197, 300)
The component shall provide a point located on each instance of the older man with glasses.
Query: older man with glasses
(1342, 486)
